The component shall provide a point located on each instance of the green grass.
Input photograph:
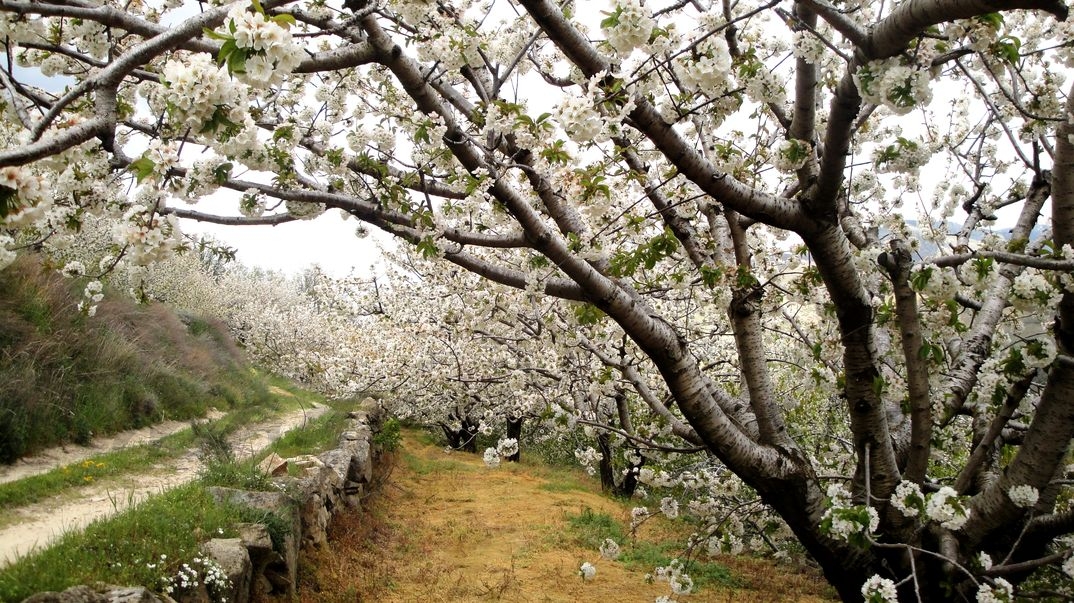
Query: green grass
(127, 548)
(589, 528)
(426, 466)
(65, 377)
(94, 469)
(318, 436)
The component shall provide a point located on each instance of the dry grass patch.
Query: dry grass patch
(446, 528)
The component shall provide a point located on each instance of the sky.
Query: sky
(327, 241)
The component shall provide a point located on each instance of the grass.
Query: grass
(590, 528)
(144, 545)
(127, 548)
(94, 469)
(65, 377)
(316, 436)
(320, 435)
(446, 528)
(426, 466)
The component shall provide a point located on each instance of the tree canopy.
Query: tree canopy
(825, 245)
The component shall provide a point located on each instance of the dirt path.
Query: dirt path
(39, 524)
(446, 528)
(59, 456)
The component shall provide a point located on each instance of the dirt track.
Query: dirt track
(39, 524)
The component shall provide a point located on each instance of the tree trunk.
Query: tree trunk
(607, 473)
(514, 430)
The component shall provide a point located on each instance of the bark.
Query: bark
(514, 430)
(1047, 441)
(898, 263)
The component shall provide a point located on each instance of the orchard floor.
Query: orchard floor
(446, 528)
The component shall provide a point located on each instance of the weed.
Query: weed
(388, 438)
(590, 528)
(213, 446)
(317, 436)
(66, 378)
(138, 546)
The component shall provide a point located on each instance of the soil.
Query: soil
(39, 524)
(446, 528)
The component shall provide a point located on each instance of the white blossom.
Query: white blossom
(1024, 496)
(879, 590)
(587, 571)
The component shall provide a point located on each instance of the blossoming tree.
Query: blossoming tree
(871, 204)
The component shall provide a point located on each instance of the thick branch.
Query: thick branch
(898, 263)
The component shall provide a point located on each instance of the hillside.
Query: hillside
(66, 377)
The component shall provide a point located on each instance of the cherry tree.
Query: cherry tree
(835, 235)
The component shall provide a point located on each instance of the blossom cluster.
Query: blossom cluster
(1000, 592)
(908, 499)
(198, 94)
(709, 73)
(609, 549)
(628, 26)
(272, 53)
(894, 84)
(947, 508)
(675, 575)
(587, 571)
(792, 154)
(23, 197)
(879, 590)
(1024, 496)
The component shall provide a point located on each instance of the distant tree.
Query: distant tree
(790, 209)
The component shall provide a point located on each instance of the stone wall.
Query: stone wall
(310, 490)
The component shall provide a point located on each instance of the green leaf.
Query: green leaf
(612, 19)
(744, 279)
(9, 201)
(236, 61)
(879, 385)
(428, 248)
(257, 6)
(284, 20)
(142, 168)
(226, 50)
(920, 279)
(209, 33)
(588, 314)
(1008, 48)
(710, 276)
(993, 20)
(556, 153)
(222, 172)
